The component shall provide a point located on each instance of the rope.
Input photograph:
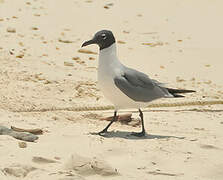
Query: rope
(110, 107)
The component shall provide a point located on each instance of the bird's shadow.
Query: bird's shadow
(128, 135)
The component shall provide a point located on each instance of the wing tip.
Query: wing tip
(177, 92)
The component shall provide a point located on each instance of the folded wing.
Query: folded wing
(139, 87)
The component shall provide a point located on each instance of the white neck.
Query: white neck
(108, 56)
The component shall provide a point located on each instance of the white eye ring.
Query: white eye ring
(103, 36)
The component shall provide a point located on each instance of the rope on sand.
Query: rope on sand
(110, 107)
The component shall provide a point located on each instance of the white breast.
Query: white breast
(109, 67)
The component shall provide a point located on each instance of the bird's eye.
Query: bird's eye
(103, 36)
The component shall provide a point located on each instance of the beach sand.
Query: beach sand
(41, 67)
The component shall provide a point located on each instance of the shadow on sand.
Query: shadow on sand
(127, 135)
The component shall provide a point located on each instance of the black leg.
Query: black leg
(105, 130)
(143, 132)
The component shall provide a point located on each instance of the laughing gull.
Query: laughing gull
(123, 86)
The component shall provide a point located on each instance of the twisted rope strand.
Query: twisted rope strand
(110, 107)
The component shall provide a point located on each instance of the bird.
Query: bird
(123, 86)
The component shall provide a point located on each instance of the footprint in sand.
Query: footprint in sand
(18, 170)
(89, 166)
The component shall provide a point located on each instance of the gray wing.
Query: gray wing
(139, 87)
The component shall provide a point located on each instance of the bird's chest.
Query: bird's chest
(105, 77)
(106, 73)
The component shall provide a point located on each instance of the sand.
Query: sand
(41, 66)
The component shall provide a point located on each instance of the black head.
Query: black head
(103, 39)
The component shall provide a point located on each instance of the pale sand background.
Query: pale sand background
(187, 53)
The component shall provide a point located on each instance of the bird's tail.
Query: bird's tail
(176, 92)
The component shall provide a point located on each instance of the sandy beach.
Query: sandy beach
(44, 74)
